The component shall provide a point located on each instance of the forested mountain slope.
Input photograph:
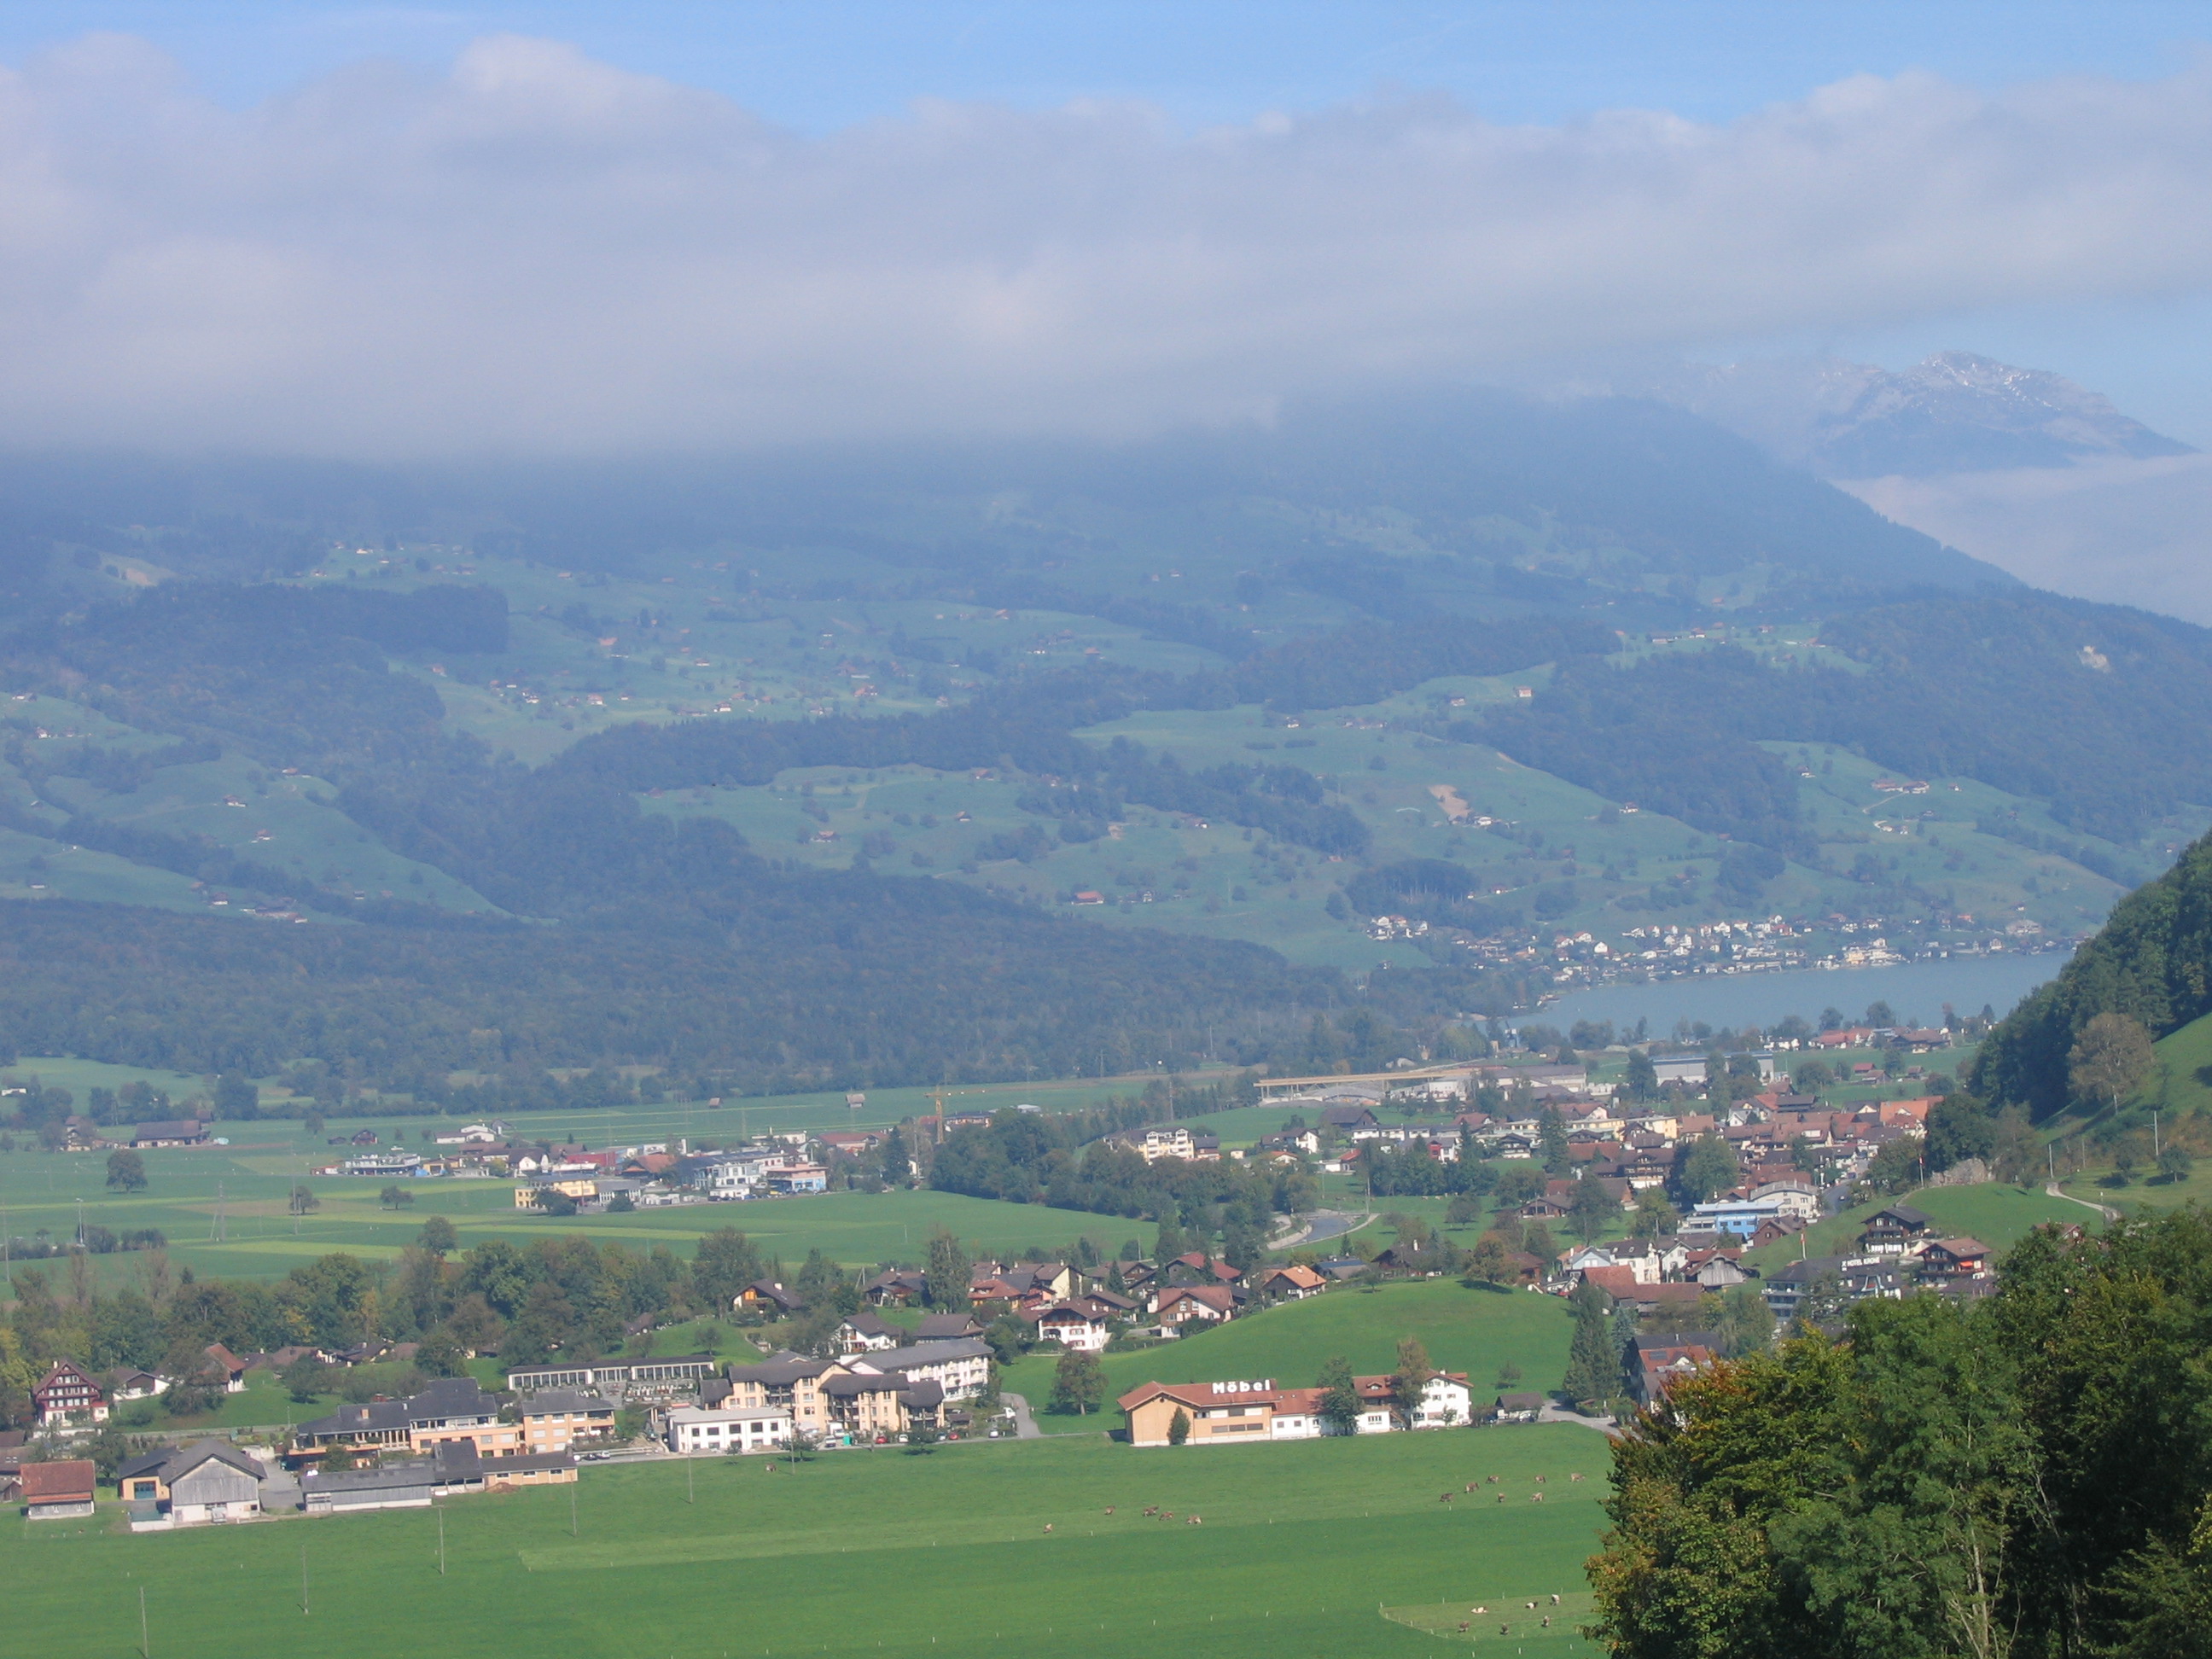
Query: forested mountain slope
(836, 738)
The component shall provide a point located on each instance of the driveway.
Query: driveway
(1025, 1426)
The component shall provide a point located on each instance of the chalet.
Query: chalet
(129, 1382)
(863, 1331)
(896, 1287)
(1893, 1230)
(766, 1295)
(1719, 1272)
(1291, 1284)
(1074, 1327)
(946, 1327)
(223, 1363)
(851, 1143)
(1659, 1361)
(1196, 1304)
(1519, 1408)
(1853, 1279)
(182, 1132)
(1341, 1267)
(554, 1419)
(1954, 1258)
(68, 1393)
(59, 1490)
(1345, 1119)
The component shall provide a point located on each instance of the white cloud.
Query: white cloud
(2126, 531)
(538, 252)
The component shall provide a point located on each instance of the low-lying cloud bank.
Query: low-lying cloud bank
(538, 254)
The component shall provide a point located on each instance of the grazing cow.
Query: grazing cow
(1478, 1609)
(1443, 1498)
(1540, 1480)
(1577, 1476)
(1048, 1526)
(1110, 1509)
(1555, 1601)
(1155, 1510)
(1470, 1486)
(1462, 1627)
(1536, 1498)
(1547, 1621)
(1490, 1479)
(1501, 1498)
(1531, 1605)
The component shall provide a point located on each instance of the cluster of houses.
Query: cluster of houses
(69, 1398)
(1075, 1308)
(448, 1439)
(1899, 1252)
(1245, 1413)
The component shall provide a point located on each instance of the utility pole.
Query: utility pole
(572, 1510)
(303, 1581)
(145, 1647)
(2154, 1153)
(441, 1543)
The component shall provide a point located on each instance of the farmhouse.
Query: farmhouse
(864, 1331)
(1072, 1326)
(68, 1392)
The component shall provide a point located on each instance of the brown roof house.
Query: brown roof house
(60, 1490)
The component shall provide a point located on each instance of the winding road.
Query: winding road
(2105, 1210)
(1025, 1426)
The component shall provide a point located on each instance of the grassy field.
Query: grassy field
(1465, 1330)
(1998, 1215)
(1332, 1547)
(239, 1191)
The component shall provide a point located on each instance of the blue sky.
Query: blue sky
(206, 249)
(826, 63)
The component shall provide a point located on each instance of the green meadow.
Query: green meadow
(225, 1211)
(1998, 1215)
(1321, 1547)
(1475, 1331)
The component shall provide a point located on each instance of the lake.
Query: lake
(1916, 991)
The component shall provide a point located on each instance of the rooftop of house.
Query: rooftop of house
(549, 1400)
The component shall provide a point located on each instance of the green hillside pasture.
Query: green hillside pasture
(262, 1240)
(1465, 1330)
(2182, 1085)
(1998, 1215)
(1304, 1547)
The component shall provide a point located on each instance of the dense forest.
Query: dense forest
(2026, 1476)
(2151, 961)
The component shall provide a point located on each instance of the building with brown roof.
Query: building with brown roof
(59, 1490)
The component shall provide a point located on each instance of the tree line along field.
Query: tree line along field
(1321, 1547)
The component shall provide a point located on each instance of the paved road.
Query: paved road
(1555, 1414)
(1025, 1426)
(2104, 1210)
(1323, 1225)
